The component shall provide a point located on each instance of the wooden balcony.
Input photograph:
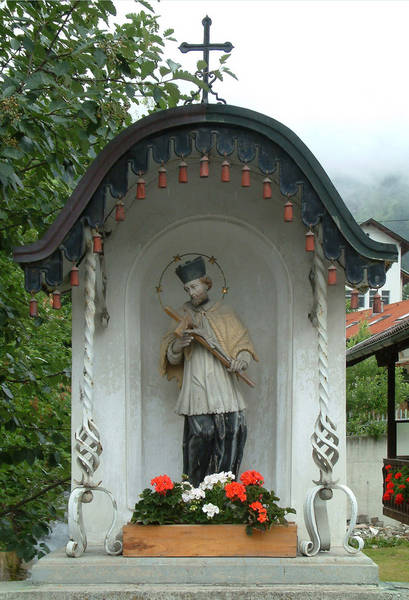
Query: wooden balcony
(386, 347)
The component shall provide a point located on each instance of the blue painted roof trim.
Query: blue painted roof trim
(224, 129)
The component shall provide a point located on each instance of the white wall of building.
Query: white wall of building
(364, 474)
(393, 282)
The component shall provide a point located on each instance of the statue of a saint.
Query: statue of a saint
(210, 398)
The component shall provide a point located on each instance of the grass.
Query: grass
(392, 558)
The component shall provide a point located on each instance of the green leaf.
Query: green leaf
(157, 94)
(173, 65)
(168, 32)
(110, 7)
(100, 57)
(15, 43)
(89, 108)
(147, 68)
(60, 68)
(146, 5)
(226, 70)
(28, 44)
(129, 90)
(6, 173)
(8, 152)
(201, 65)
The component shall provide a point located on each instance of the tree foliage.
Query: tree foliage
(367, 392)
(68, 84)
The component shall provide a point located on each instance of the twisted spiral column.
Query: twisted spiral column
(324, 439)
(87, 436)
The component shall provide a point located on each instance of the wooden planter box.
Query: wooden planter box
(208, 540)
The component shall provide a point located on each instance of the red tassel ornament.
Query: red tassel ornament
(204, 166)
(332, 275)
(33, 307)
(56, 300)
(245, 176)
(225, 171)
(288, 212)
(183, 172)
(97, 243)
(120, 211)
(354, 299)
(162, 179)
(267, 191)
(377, 304)
(74, 276)
(140, 189)
(309, 242)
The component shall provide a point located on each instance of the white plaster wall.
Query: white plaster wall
(364, 474)
(267, 270)
(393, 276)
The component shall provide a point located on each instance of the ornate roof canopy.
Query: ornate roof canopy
(223, 130)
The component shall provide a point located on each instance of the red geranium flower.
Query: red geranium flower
(262, 512)
(407, 479)
(402, 486)
(398, 475)
(390, 485)
(388, 477)
(399, 499)
(387, 496)
(251, 478)
(387, 467)
(162, 484)
(235, 491)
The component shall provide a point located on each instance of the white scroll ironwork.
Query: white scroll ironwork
(87, 437)
(324, 439)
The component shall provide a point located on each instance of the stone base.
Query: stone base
(95, 567)
(24, 590)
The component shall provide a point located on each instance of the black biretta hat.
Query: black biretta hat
(192, 269)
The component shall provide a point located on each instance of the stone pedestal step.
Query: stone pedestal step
(95, 567)
(27, 591)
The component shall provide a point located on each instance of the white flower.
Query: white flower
(197, 493)
(193, 494)
(210, 510)
(211, 480)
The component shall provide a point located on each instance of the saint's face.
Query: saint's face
(197, 291)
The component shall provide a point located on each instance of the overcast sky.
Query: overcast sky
(336, 73)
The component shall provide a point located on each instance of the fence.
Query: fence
(400, 415)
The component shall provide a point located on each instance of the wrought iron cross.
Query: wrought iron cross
(206, 47)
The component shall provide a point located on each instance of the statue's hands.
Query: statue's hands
(198, 331)
(237, 364)
(182, 342)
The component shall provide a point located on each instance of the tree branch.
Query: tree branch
(15, 507)
(37, 378)
(24, 220)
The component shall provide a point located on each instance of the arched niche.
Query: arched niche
(261, 294)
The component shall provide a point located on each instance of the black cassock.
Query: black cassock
(213, 443)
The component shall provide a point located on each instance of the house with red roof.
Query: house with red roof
(378, 322)
(397, 275)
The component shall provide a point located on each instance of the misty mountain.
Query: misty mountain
(385, 199)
